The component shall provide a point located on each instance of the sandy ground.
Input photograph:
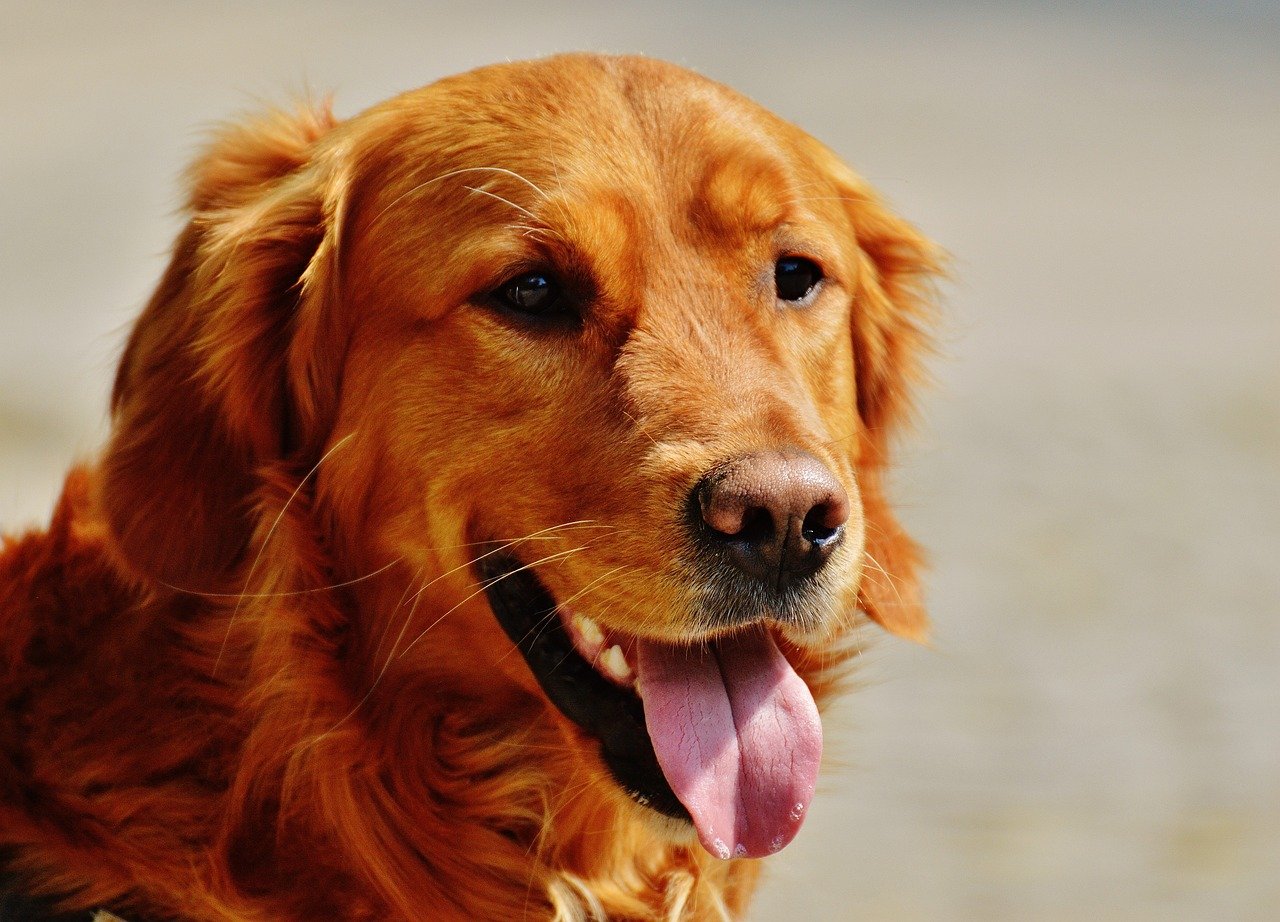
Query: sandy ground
(1095, 733)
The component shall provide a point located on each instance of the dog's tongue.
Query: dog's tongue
(738, 736)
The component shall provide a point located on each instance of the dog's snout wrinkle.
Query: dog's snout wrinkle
(777, 515)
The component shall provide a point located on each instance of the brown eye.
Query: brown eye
(534, 293)
(794, 277)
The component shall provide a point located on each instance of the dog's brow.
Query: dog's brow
(741, 196)
(461, 171)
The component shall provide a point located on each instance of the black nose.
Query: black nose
(777, 516)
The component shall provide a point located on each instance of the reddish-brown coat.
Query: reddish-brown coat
(246, 673)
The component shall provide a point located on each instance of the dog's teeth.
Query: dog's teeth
(588, 630)
(615, 664)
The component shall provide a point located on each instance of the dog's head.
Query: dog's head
(601, 358)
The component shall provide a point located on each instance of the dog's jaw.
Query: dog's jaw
(721, 732)
(609, 714)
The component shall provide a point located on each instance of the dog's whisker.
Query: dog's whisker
(538, 535)
(545, 534)
(594, 585)
(485, 586)
(382, 672)
(267, 540)
(286, 594)
(853, 433)
(557, 203)
(528, 231)
(857, 200)
(505, 546)
(416, 598)
(546, 619)
(522, 745)
(543, 622)
(514, 175)
(641, 429)
(878, 529)
(539, 842)
(566, 797)
(625, 617)
(386, 628)
(892, 583)
(450, 175)
(810, 184)
(505, 201)
(577, 595)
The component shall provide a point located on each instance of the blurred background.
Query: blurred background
(1095, 732)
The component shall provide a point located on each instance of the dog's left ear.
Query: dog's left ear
(891, 317)
(222, 373)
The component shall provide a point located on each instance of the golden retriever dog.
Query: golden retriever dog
(495, 484)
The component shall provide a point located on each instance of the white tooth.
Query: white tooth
(588, 630)
(613, 662)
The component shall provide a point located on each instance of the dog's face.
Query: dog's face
(602, 356)
(559, 324)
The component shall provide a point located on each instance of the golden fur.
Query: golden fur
(247, 672)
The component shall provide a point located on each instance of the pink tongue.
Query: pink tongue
(737, 735)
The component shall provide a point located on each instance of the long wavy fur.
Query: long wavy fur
(212, 703)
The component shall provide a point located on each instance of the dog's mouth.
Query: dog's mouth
(722, 733)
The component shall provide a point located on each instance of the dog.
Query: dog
(494, 491)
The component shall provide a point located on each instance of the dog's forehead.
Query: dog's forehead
(606, 162)
(577, 127)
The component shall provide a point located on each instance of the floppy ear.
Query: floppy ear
(892, 310)
(219, 372)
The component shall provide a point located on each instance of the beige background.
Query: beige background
(1096, 732)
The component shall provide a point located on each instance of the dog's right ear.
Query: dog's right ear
(220, 372)
(892, 314)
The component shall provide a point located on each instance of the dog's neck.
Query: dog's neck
(216, 744)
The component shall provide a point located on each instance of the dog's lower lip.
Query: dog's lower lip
(609, 713)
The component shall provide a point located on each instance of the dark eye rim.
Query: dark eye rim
(558, 310)
(815, 283)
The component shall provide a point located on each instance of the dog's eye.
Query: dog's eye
(794, 277)
(533, 293)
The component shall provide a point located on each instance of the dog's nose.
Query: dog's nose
(778, 515)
